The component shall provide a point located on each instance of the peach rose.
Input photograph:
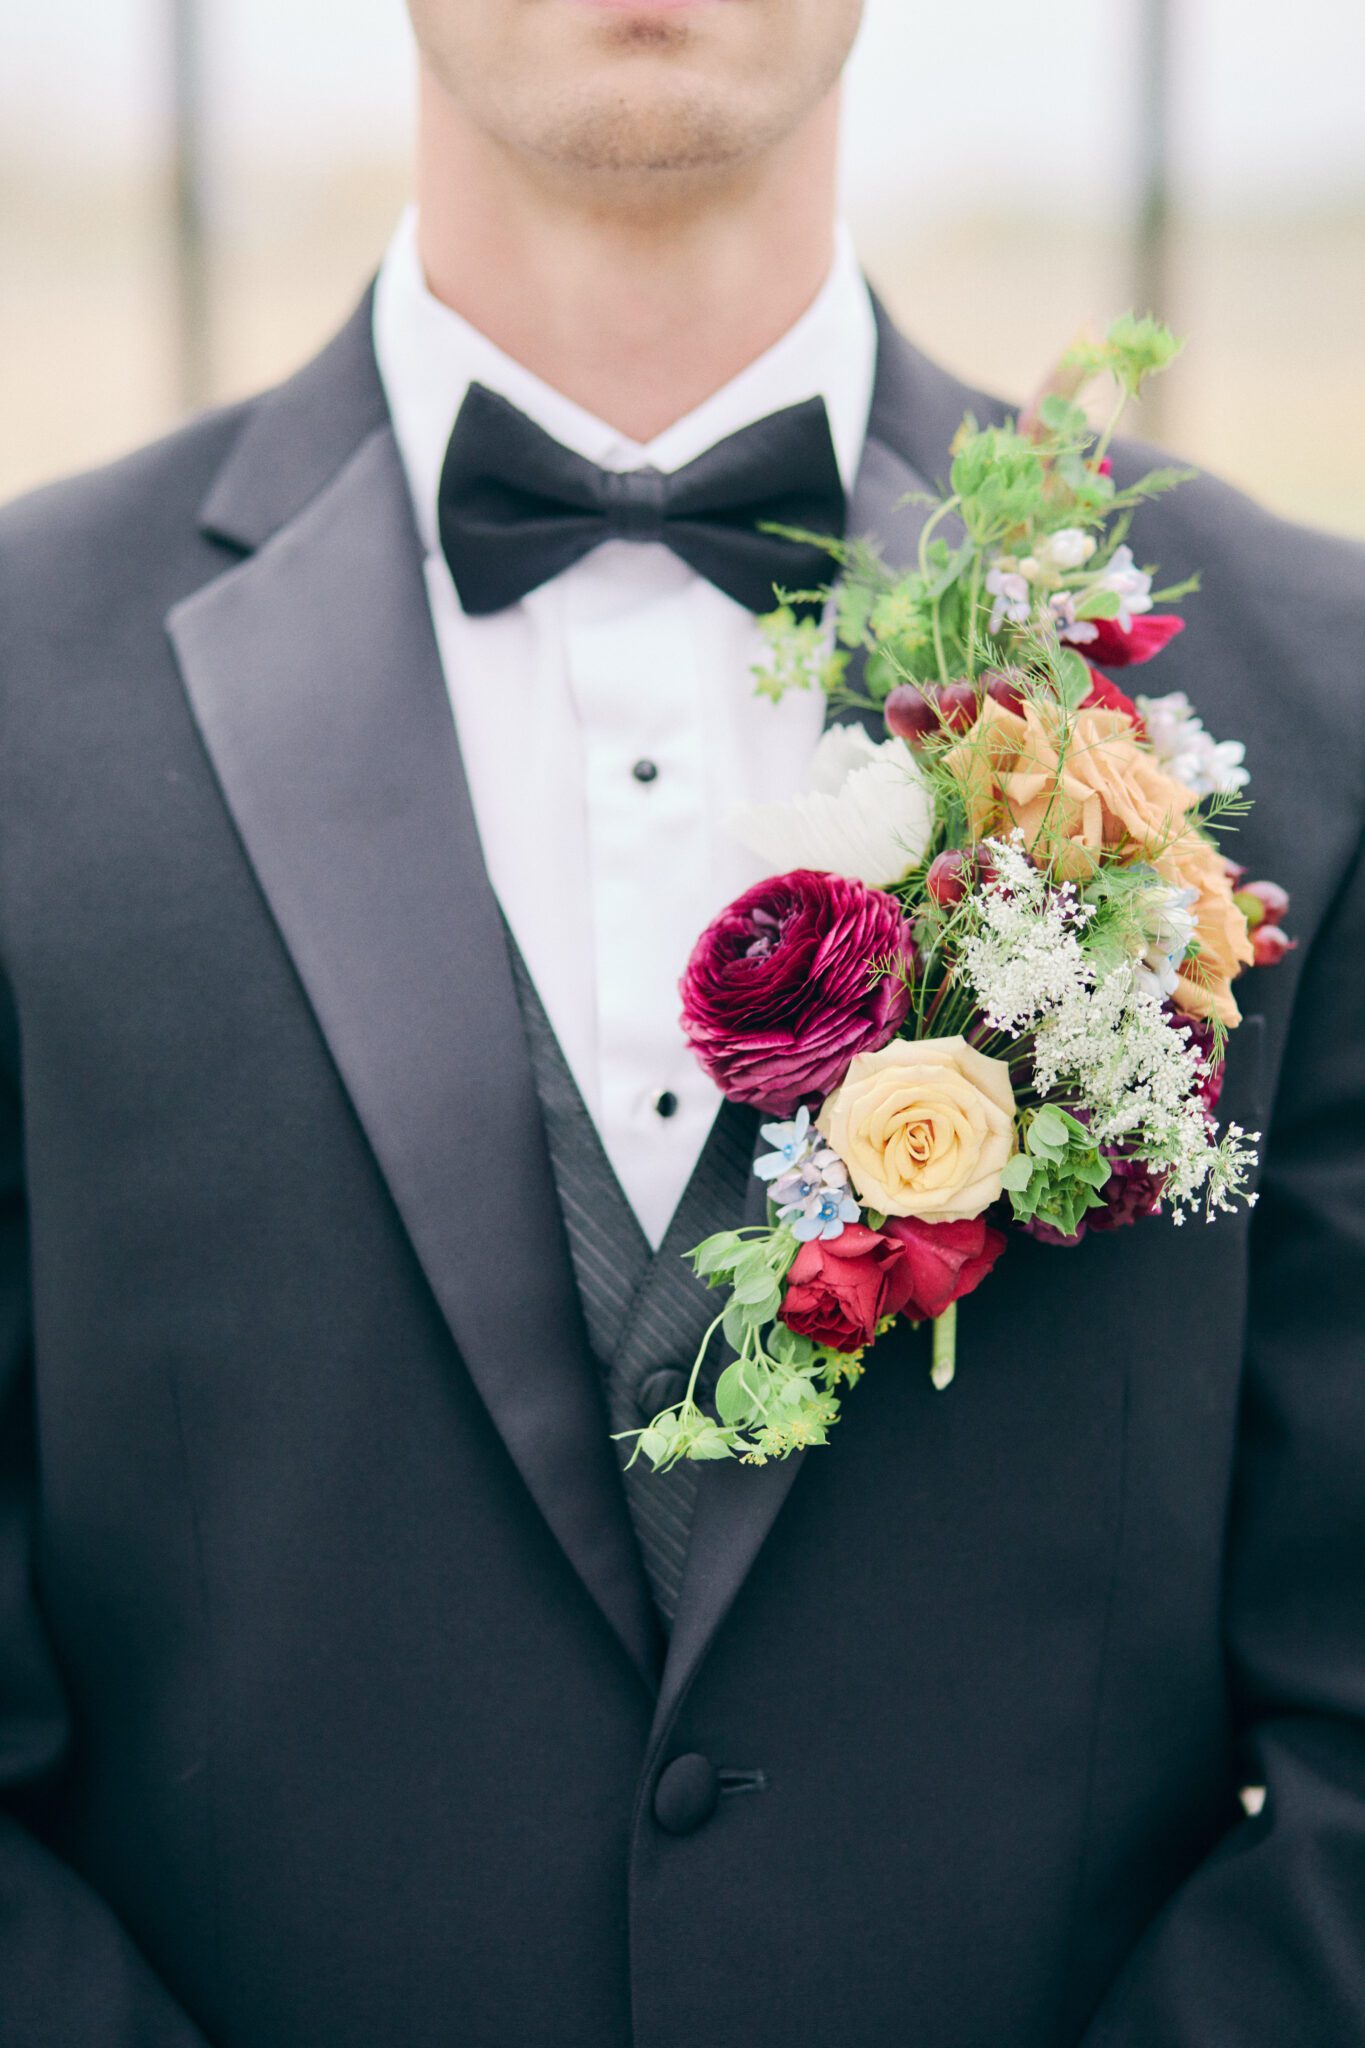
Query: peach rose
(925, 1128)
(1105, 793)
(1204, 983)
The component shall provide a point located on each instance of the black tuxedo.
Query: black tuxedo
(333, 1709)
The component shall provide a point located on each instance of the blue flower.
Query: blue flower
(809, 1181)
(823, 1214)
(794, 1142)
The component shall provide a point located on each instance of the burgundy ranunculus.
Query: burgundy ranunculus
(838, 1289)
(944, 1261)
(1202, 1039)
(1113, 648)
(780, 994)
(1132, 1191)
(1048, 1233)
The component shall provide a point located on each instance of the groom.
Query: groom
(365, 754)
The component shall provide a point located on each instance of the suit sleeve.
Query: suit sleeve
(1264, 1947)
(70, 1976)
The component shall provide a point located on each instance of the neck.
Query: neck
(635, 304)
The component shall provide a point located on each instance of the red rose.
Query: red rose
(1107, 696)
(1113, 648)
(944, 1261)
(839, 1289)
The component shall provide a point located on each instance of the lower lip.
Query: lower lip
(644, 6)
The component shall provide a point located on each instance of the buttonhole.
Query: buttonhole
(741, 1781)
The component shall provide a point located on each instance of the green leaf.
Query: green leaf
(1063, 418)
(735, 1327)
(1099, 604)
(785, 1346)
(653, 1445)
(1157, 482)
(1048, 1136)
(717, 1253)
(753, 1284)
(708, 1448)
(732, 1396)
(1018, 1172)
(1174, 592)
(951, 567)
(1073, 679)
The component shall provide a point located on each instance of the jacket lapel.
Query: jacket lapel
(737, 1505)
(314, 677)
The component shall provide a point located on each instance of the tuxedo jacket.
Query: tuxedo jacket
(333, 1709)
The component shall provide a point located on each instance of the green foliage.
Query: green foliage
(998, 481)
(778, 1393)
(1118, 929)
(799, 656)
(1057, 1174)
(1072, 678)
(1134, 349)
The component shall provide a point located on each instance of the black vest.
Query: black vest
(646, 1311)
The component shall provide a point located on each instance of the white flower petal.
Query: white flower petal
(872, 822)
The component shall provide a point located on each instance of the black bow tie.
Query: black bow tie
(516, 508)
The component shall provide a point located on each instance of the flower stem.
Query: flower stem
(1102, 447)
(945, 1347)
(935, 608)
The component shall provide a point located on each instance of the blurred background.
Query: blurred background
(193, 193)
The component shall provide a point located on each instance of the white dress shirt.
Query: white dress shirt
(608, 722)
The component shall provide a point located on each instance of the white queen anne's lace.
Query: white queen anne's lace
(1102, 1043)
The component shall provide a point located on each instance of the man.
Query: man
(347, 1698)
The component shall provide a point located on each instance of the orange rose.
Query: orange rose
(1204, 983)
(1099, 792)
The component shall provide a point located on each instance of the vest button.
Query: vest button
(661, 1390)
(686, 1795)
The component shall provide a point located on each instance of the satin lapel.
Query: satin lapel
(314, 677)
(738, 1504)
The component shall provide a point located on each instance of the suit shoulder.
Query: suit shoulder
(108, 520)
(1271, 562)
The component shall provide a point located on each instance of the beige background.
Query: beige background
(991, 169)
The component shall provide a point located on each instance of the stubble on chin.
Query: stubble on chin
(614, 136)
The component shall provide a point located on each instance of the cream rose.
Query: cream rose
(925, 1128)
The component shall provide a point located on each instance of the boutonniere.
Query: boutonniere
(989, 986)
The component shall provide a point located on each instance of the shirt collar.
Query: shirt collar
(428, 357)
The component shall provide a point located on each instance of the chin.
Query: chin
(669, 131)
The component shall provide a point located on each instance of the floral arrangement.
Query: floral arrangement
(989, 985)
